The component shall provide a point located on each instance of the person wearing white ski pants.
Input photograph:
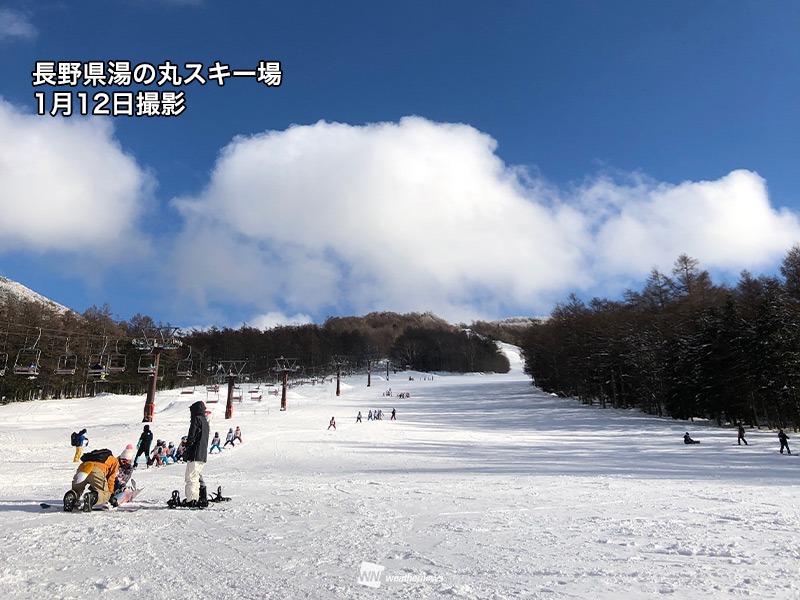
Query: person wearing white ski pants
(193, 470)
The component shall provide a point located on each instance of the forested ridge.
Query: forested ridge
(682, 346)
(376, 341)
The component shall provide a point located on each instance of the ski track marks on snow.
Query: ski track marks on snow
(486, 485)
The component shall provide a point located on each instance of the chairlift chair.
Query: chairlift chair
(27, 362)
(147, 363)
(67, 364)
(184, 368)
(98, 365)
(117, 361)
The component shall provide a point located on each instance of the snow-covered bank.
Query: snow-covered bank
(484, 488)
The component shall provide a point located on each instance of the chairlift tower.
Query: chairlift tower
(283, 367)
(338, 361)
(155, 340)
(232, 369)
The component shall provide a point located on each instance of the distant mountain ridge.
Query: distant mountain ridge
(12, 290)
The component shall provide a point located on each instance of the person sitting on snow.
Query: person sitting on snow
(98, 471)
(689, 440)
(124, 473)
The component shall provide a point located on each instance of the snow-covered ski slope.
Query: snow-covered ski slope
(484, 487)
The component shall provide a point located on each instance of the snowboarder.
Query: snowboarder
(144, 445)
(98, 471)
(229, 438)
(79, 439)
(689, 440)
(394, 415)
(332, 423)
(358, 417)
(784, 441)
(237, 435)
(215, 443)
(196, 452)
(741, 435)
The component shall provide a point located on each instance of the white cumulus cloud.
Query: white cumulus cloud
(68, 187)
(417, 215)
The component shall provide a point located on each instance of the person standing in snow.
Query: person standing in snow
(215, 443)
(358, 417)
(80, 441)
(741, 439)
(784, 441)
(237, 434)
(369, 416)
(229, 438)
(196, 451)
(394, 415)
(144, 445)
(332, 423)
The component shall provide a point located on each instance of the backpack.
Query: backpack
(100, 455)
(76, 439)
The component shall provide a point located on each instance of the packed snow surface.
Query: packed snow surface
(484, 487)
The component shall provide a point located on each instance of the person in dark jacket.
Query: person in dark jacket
(196, 451)
(741, 439)
(784, 441)
(688, 440)
(144, 445)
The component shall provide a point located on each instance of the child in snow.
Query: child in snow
(124, 473)
(332, 423)
(689, 440)
(783, 439)
(229, 439)
(80, 441)
(237, 435)
(369, 416)
(215, 443)
(144, 446)
(358, 417)
(157, 457)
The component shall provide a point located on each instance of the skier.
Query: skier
(196, 452)
(215, 443)
(689, 440)
(144, 445)
(237, 435)
(229, 438)
(784, 441)
(369, 416)
(741, 439)
(78, 441)
(394, 415)
(99, 472)
(332, 423)
(358, 417)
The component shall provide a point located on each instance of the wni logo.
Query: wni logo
(370, 574)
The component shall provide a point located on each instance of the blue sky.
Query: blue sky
(475, 159)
